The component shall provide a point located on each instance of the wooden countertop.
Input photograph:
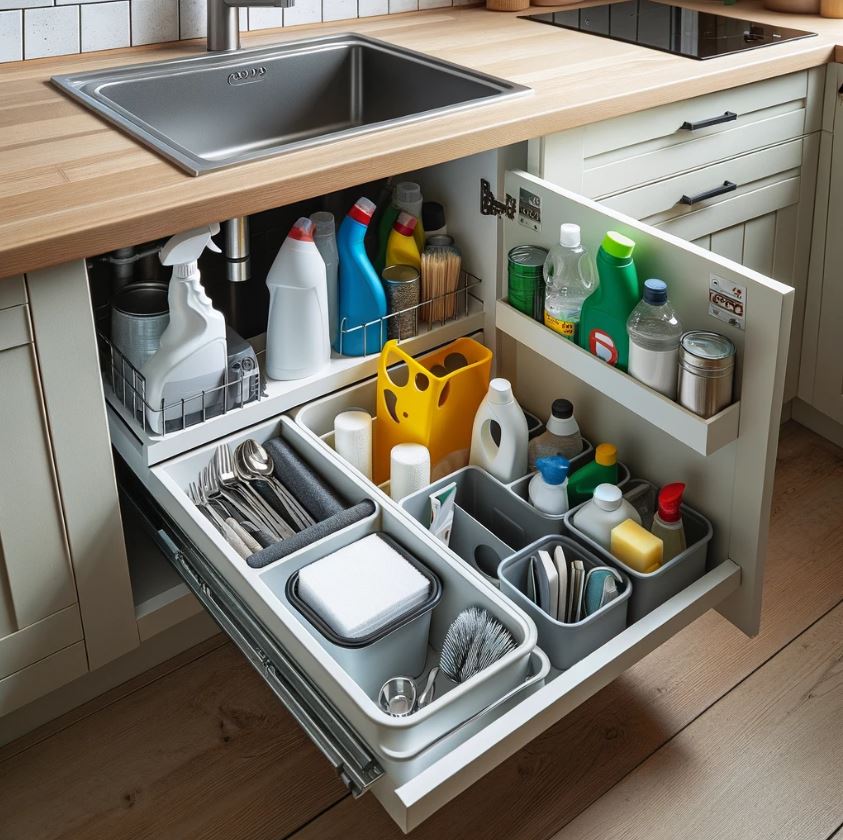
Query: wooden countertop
(73, 186)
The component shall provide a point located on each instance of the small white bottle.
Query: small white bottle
(667, 522)
(297, 331)
(507, 460)
(548, 488)
(561, 435)
(606, 509)
(325, 238)
(187, 372)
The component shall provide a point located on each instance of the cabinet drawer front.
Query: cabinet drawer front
(685, 193)
(12, 291)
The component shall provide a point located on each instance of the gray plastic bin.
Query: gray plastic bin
(652, 590)
(565, 644)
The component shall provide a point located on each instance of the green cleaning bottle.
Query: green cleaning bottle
(602, 470)
(605, 311)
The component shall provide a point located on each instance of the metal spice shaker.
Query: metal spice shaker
(706, 372)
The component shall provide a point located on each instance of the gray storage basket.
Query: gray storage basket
(565, 644)
(651, 590)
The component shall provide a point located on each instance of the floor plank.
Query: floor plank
(766, 761)
(204, 751)
(547, 784)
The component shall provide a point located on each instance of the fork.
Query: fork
(212, 489)
(198, 497)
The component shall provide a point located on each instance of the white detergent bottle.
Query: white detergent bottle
(187, 373)
(506, 460)
(298, 342)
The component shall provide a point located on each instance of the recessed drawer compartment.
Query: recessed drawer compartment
(614, 155)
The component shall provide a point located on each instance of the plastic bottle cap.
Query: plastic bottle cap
(407, 192)
(185, 270)
(324, 221)
(563, 409)
(617, 245)
(500, 391)
(302, 230)
(606, 454)
(554, 468)
(655, 292)
(433, 215)
(362, 211)
(670, 500)
(569, 235)
(607, 496)
(405, 223)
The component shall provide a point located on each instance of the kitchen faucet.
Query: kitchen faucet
(224, 21)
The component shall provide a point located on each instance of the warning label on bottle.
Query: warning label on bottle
(727, 301)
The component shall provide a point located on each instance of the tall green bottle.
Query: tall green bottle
(605, 311)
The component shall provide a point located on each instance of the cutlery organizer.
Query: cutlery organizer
(264, 592)
(565, 644)
(651, 590)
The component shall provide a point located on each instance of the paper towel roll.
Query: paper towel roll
(409, 469)
(353, 439)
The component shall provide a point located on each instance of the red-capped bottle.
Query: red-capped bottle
(667, 522)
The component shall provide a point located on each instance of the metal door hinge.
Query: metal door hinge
(490, 206)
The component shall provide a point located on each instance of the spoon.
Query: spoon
(429, 691)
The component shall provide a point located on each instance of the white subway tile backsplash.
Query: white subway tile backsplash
(154, 21)
(36, 28)
(304, 11)
(50, 31)
(11, 36)
(105, 26)
(339, 9)
(265, 17)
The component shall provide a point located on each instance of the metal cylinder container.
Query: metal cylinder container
(526, 280)
(402, 286)
(139, 315)
(706, 372)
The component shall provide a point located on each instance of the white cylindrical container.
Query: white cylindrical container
(506, 460)
(409, 469)
(297, 330)
(353, 440)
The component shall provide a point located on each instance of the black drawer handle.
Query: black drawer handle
(729, 116)
(726, 187)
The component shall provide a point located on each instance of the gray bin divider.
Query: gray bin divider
(651, 590)
(565, 644)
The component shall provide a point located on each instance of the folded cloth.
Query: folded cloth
(310, 535)
(362, 587)
(318, 499)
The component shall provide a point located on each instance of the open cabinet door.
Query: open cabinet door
(727, 461)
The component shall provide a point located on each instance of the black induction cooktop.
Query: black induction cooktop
(674, 29)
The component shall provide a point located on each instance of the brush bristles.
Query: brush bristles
(473, 642)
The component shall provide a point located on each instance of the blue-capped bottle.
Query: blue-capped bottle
(362, 297)
(548, 489)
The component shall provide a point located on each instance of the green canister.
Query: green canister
(526, 280)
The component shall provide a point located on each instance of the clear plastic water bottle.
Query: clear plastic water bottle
(654, 331)
(570, 276)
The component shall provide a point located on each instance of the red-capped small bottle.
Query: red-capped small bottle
(667, 523)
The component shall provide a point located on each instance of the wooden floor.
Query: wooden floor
(711, 736)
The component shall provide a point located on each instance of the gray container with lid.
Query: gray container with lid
(706, 372)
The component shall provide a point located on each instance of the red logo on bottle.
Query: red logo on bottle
(602, 346)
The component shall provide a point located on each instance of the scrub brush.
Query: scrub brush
(473, 642)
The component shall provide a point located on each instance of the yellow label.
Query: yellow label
(566, 328)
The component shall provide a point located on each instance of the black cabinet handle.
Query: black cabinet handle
(726, 187)
(729, 116)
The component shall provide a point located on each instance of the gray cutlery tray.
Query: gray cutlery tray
(651, 590)
(565, 644)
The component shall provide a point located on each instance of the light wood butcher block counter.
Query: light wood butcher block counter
(73, 186)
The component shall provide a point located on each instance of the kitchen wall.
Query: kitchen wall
(38, 28)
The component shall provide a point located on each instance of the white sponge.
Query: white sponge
(362, 587)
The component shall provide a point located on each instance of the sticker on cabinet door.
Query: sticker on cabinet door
(529, 209)
(727, 301)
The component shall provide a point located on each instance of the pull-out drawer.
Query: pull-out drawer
(727, 462)
(618, 154)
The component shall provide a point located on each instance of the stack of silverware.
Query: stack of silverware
(241, 496)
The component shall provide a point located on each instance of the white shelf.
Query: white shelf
(703, 436)
(281, 396)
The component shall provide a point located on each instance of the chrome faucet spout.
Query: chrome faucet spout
(224, 21)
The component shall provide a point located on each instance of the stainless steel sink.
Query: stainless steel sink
(220, 109)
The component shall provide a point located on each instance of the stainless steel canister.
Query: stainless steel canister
(401, 283)
(139, 314)
(706, 372)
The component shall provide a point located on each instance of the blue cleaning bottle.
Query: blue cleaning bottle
(362, 296)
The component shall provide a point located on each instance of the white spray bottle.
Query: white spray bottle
(192, 357)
